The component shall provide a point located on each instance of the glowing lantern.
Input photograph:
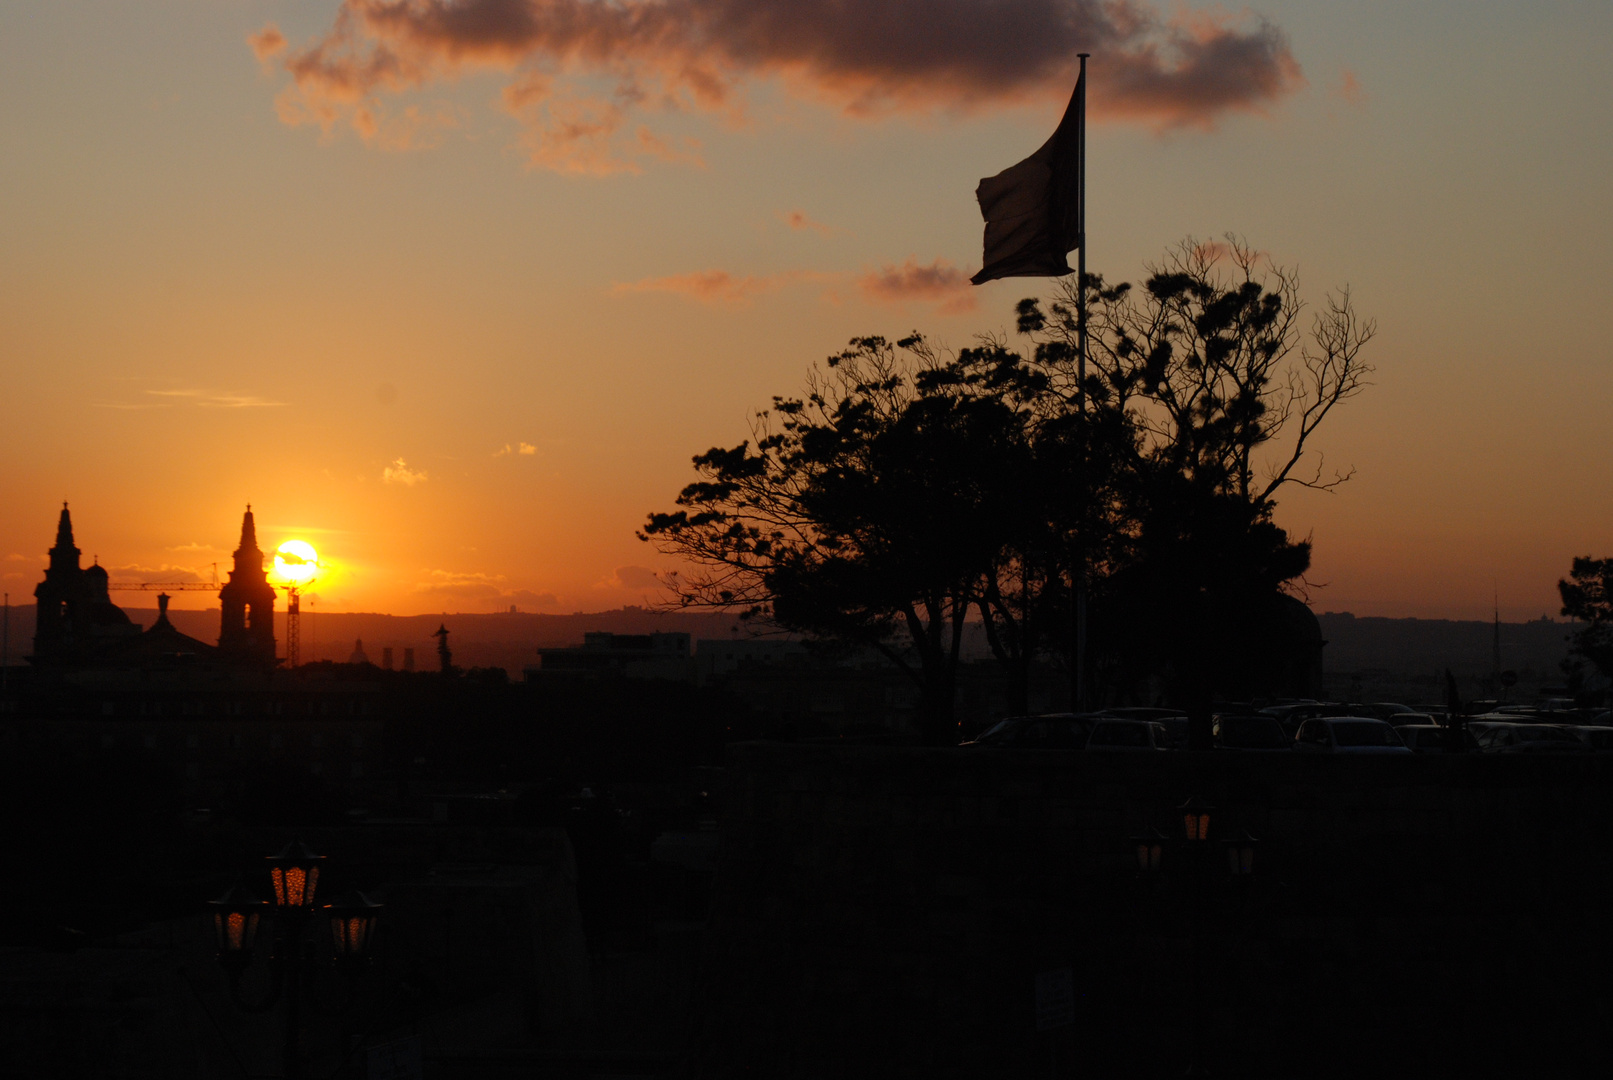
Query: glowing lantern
(295, 874)
(353, 919)
(1196, 819)
(235, 923)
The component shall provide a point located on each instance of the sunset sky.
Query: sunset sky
(453, 289)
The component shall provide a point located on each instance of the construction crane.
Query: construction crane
(165, 586)
(293, 626)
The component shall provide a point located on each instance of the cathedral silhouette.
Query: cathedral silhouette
(77, 625)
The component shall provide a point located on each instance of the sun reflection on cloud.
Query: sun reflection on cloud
(296, 563)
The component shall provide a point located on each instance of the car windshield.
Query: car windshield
(1365, 733)
(1257, 732)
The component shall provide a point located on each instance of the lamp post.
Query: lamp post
(237, 915)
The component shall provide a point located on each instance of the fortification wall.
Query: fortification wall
(885, 911)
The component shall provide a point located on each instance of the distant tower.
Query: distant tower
(74, 615)
(444, 656)
(1495, 646)
(246, 628)
(60, 599)
(408, 659)
(386, 658)
(358, 656)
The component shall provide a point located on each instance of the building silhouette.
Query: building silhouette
(246, 628)
(77, 626)
(74, 618)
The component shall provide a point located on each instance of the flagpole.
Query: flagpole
(1080, 702)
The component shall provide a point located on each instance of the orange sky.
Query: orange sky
(457, 305)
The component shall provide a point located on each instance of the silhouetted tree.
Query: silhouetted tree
(1587, 595)
(909, 490)
(869, 511)
(1207, 367)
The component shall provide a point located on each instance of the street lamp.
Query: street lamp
(294, 875)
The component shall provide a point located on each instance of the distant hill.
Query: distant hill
(1426, 646)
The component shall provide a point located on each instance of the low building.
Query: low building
(633, 656)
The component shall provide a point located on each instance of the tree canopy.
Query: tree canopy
(911, 489)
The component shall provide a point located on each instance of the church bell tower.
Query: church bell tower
(246, 630)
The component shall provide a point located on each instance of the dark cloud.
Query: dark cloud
(867, 58)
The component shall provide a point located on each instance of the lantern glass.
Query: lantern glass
(235, 922)
(294, 885)
(295, 876)
(351, 934)
(236, 930)
(353, 921)
(1195, 819)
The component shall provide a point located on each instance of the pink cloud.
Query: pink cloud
(267, 43)
(940, 283)
(870, 58)
(1350, 89)
(800, 222)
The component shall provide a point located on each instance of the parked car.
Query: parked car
(1054, 731)
(1427, 738)
(1348, 735)
(1176, 728)
(1125, 735)
(1496, 737)
(1254, 733)
(1596, 737)
(1143, 712)
(1410, 719)
(1293, 715)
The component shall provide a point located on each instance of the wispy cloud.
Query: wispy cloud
(800, 222)
(399, 473)
(873, 58)
(525, 449)
(940, 283)
(1349, 89)
(213, 399)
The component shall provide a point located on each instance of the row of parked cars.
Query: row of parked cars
(1309, 728)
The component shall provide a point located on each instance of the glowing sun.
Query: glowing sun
(296, 562)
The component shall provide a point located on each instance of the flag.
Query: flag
(1034, 210)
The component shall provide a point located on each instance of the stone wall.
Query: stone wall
(885, 911)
